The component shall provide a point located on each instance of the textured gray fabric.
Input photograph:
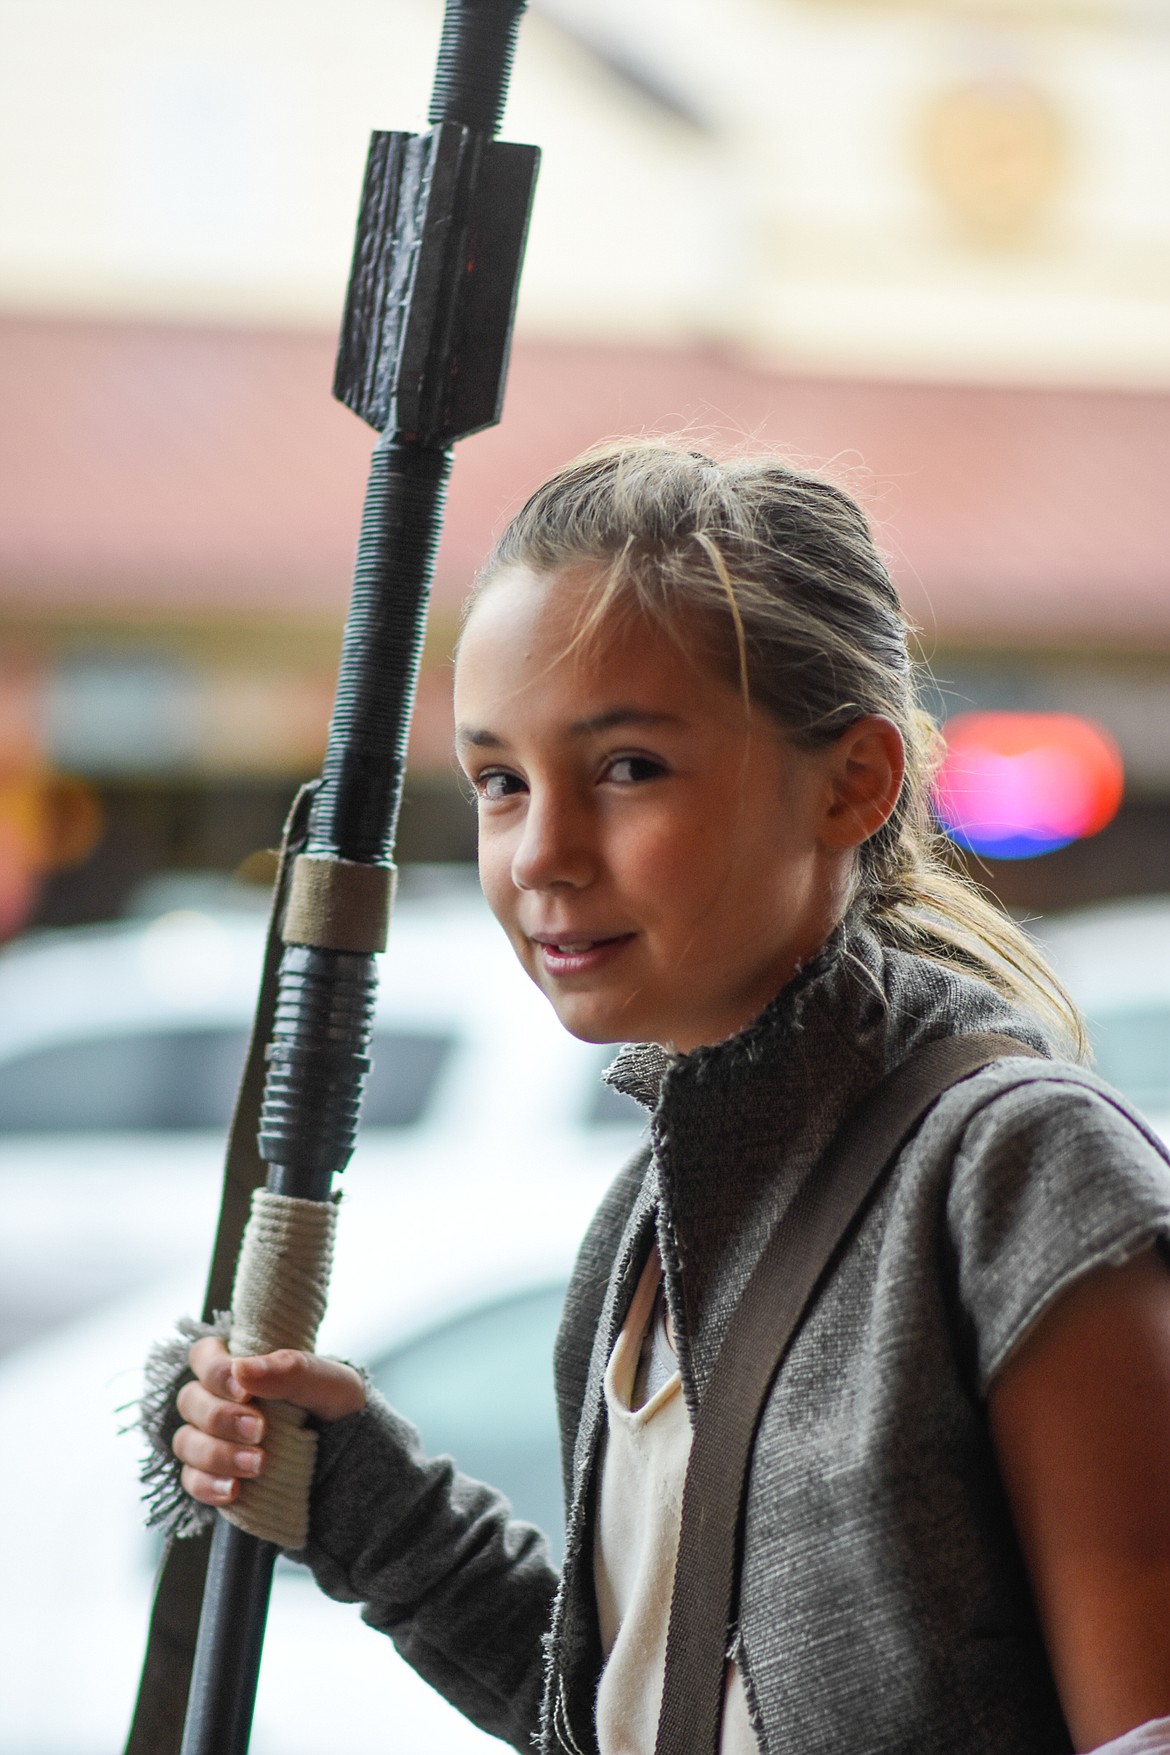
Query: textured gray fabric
(464, 1590)
(884, 1605)
(657, 1359)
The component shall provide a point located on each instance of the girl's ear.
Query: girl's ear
(866, 767)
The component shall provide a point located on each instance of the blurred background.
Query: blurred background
(921, 244)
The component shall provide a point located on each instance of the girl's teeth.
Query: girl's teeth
(572, 950)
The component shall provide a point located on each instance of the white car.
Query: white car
(489, 1142)
(1115, 961)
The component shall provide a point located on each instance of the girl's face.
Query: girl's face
(661, 858)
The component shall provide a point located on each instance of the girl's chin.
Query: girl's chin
(595, 1030)
(591, 1021)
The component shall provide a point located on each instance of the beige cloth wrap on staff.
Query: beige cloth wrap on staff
(282, 1282)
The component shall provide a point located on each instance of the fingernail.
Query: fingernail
(222, 1489)
(249, 1462)
(248, 1428)
(235, 1387)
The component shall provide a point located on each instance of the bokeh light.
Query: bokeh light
(1015, 785)
(48, 822)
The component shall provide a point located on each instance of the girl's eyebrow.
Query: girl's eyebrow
(612, 719)
(480, 740)
(615, 717)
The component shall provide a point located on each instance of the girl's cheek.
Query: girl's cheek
(670, 853)
(495, 873)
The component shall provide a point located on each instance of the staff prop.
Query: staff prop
(423, 357)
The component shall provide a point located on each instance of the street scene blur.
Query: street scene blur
(922, 246)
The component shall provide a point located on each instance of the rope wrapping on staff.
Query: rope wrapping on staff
(281, 1287)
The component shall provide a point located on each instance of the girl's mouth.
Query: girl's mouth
(580, 956)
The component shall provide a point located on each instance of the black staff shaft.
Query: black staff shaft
(318, 1057)
(423, 356)
(231, 1634)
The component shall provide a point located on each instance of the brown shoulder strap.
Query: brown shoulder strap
(794, 1265)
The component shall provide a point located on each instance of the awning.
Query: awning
(206, 473)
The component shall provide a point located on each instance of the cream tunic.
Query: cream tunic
(636, 1546)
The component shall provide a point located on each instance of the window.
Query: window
(1132, 1050)
(174, 1079)
(480, 1389)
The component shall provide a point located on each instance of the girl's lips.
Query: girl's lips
(579, 956)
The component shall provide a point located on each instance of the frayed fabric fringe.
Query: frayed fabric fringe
(168, 1507)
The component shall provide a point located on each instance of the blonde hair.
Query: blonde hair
(783, 568)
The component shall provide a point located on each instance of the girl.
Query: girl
(686, 707)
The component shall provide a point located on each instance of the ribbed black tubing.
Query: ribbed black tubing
(317, 1065)
(475, 62)
(355, 812)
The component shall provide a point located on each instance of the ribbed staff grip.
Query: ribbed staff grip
(317, 1066)
(475, 62)
(355, 812)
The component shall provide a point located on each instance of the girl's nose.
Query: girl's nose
(554, 848)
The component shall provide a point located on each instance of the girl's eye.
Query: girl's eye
(496, 783)
(632, 770)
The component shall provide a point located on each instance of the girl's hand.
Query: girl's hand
(221, 1444)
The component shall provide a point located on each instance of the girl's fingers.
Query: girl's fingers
(323, 1387)
(219, 1444)
(215, 1456)
(207, 1488)
(213, 1365)
(219, 1418)
(279, 1376)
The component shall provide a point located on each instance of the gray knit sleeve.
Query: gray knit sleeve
(1054, 1178)
(439, 1564)
(436, 1559)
